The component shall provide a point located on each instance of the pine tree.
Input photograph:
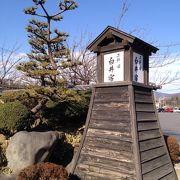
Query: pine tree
(48, 51)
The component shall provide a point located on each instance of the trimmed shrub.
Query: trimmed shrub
(25, 97)
(11, 96)
(14, 116)
(67, 114)
(43, 171)
(173, 147)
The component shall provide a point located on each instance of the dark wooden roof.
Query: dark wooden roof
(110, 31)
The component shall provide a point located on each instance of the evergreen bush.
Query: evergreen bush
(14, 116)
(26, 97)
(67, 114)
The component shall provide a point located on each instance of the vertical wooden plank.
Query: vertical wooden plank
(102, 67)
(75, 160)
(134, 134)
(99, 68)
(127, 61)
(146, 69)
(131, 63)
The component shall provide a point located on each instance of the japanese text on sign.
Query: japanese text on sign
(114, 67)
(138, 72)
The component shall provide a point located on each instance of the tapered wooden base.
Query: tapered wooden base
(122, 137)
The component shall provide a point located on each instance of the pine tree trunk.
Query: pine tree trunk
(39, 106)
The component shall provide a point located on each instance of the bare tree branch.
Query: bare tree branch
(160, 61)
(84, 71)
(8, 60)
(123, 10)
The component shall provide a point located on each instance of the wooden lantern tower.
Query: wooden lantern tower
(122, 137)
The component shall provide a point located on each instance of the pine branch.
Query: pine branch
(65, 9)
(44, 10)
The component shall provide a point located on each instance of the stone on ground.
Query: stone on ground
(28, 148)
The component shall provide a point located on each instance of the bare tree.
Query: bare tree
(163, 66)
(83, 70)
(8, 60)
(124, 7)
(159, 63)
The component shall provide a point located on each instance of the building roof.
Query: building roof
(109, 30)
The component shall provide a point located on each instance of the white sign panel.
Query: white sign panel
(138, 71)
(114, 67)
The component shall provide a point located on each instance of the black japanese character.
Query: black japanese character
(136, 60)
(111, 61)
(136, 77)
(136, 68)
(111, 77)
(118, 66)
(118, 57)
(140, 60)
(111, 68)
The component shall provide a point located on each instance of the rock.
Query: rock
(28, 148)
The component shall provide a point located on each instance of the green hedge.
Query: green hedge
(23, 96)
(14, 116)
(71, 112)
(67, 114)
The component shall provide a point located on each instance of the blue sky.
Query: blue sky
(159, 20)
